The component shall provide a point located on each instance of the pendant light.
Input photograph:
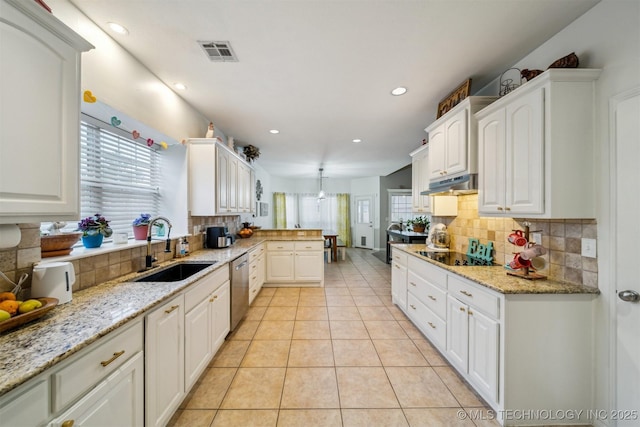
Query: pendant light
(321, 194)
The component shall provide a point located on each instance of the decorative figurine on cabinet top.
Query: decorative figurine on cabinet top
(209, 133)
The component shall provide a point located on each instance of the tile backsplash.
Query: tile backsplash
(93, 270)
(561, 238)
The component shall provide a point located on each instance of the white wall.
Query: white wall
(606, 37)
(119, 80)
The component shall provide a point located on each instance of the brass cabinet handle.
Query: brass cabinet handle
(432, 325)
(413, 284)
(500, 208)
(107, 362)
(470, 312)
(412, 306)
(466, 293)
(173, 307)
(462, 309)
(432, 298)
(215, 297)
(254, 291)
(507, 209)
(67, 423)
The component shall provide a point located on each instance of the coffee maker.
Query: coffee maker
(217, 237)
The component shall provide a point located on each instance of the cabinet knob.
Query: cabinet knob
(470, 313)
(500, 208)
(215, 297)
(432, 325)
(462, 309)
(412, 306)
(68, 423)
(507, 209)
(108, 362)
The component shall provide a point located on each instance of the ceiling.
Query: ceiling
(322, 71)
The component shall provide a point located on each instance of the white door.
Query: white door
(626, 232)
(364, 222)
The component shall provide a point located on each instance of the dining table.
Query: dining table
(332, 237)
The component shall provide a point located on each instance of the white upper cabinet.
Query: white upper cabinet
(536, 148)
(40, 120)
(420, 179)
(220, 183)
(452, 140)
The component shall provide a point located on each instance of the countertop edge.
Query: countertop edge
(496, 278)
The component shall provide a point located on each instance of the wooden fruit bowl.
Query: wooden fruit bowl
(47, 305)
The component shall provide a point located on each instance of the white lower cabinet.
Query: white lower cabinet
(101, 385)
(291, 262)
(164, 366)
(117, 401)
(504, 345)
(399, 278)
(182, 336)
(257, 270)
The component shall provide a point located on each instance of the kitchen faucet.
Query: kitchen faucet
(148, 261)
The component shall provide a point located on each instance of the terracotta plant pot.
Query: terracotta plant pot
(140, 231)
(418, 228)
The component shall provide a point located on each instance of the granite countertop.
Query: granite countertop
(94, 312)
(496, 278)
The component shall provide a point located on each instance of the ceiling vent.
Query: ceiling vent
(218, 51)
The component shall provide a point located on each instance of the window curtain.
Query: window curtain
(279, 210)
(343, 218)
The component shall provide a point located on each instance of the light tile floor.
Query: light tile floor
(339, 356)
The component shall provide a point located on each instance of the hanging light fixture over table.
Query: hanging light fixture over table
(321, 194)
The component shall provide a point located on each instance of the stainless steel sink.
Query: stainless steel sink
(176, 272)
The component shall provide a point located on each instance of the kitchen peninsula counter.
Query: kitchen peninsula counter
(496, 278)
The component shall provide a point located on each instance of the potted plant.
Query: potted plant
(419, 224)
(141, 226)
(94, 229)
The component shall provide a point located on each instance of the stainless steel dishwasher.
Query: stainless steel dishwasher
(239, 289)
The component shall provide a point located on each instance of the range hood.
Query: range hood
(464, 184)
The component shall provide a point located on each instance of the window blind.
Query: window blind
(119, 177)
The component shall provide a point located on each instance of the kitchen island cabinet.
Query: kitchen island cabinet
(506, 336)
(39, 141)
(299, 263)
(536, 148)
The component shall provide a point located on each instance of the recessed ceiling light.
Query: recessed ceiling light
(399, 91)
(274, 131)
(179, 86)
(357, 140)
(118, 28)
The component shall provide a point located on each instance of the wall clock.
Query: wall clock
(258, 190)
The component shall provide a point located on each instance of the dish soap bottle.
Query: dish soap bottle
(185, 245)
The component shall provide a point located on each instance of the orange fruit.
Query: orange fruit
(7, 296)
(9, 306)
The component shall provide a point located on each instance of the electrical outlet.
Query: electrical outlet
(589, 247)
(537, 238)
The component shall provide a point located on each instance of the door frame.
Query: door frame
(614, 101)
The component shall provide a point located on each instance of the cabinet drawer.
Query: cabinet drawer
(430, 273)
(429, 323)
(398, 256)
(204, 287)
(428, 294)
(279, 246)
(474, 296)
(255, 253)
(308, 246)
(26, 406)
(81, 374)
